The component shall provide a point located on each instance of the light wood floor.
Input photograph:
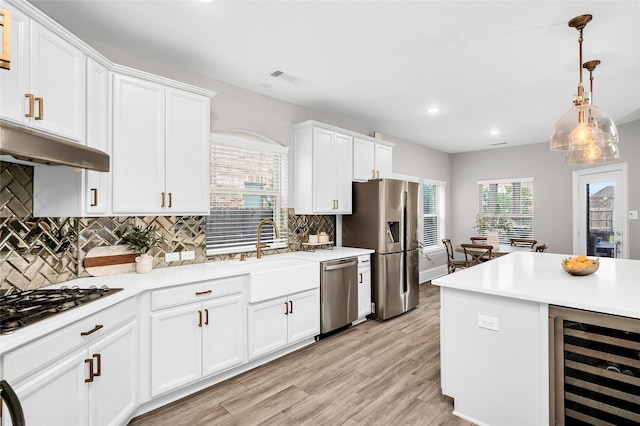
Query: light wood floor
(376, 373)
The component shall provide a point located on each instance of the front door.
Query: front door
(599, 217)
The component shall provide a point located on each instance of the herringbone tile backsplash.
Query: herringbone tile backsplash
(36, 252)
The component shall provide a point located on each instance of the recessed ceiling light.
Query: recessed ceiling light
(433, 110)
(265, 84)
(494, 132)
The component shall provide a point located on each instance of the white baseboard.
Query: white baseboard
(429, 274)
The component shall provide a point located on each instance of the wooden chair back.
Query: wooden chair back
(523, 242)
(478, 240)
(475, 254)
(452, 262)
(542, 248)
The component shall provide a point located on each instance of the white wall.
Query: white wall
(242, 109)
(552, 188)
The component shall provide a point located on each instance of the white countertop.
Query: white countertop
(539, 277)
(134, 284)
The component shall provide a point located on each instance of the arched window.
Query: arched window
(248, 184)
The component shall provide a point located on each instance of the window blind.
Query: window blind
(506, 206)
(433, 214)
(248, 184)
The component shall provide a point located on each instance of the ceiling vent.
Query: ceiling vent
(281, 75)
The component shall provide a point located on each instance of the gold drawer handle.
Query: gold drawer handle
(200, 293)
(31, 99)
(93, 330)
(40, 109)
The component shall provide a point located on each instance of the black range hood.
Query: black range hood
(25, 145)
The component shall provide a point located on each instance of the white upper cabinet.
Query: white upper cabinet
(138, 146)
(371, 160)
(323, 170)
(45, 87)
(187, 152)
(160, 149)
(64, 192)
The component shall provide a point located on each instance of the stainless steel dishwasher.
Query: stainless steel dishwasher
(338, 293)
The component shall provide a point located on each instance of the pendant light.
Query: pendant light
(603, 146)
(585, 128)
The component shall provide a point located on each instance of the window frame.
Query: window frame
(240, 139)
(440, 215)
(505, 237)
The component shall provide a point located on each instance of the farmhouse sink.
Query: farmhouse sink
(276, 278)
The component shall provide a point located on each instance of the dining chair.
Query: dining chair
(476, 254)
(523, 242)
(542, 248)
(452, 262)
(478, 240)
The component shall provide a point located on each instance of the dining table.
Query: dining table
(501, 251)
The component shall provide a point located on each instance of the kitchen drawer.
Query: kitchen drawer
(40, 354)
(196, 292)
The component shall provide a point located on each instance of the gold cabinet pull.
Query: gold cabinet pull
(290, 306)
(40, 109)
(200, 293)
(98, 359)
(162, 202)
(31, 99)
(5, 53)
(206, 317)
(170, 199)
(373, 174)
(286, 308)
(377, 174)
(93, 330)
(94, 197)
(90, 362)
(199, 318)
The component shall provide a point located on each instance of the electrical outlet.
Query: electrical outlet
(188, 255)
(490, 323)
(633, 214)
(171, 257)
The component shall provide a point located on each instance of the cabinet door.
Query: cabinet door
(383, 160)
(223, 335)
(58, 78)
(187, 153)
(363, 160)
(323, 171)
(176, 348)
(343, 166)
(14, 83)
(267, 326)
(58, 396)
(112, 395)
(304, 315)
(96, 195)
(138, 146)
(364, 290)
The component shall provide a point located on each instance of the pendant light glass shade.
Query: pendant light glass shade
(582, 125)
(593, 154)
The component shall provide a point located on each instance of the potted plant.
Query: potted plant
(141, 240)
(492, 226)
(313, 234)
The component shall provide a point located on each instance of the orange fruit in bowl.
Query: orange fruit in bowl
(580, 265)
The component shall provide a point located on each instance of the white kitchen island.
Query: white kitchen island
(495, 330)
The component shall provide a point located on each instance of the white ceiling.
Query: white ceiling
(508, 65)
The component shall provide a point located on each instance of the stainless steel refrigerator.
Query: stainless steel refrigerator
(385, 219)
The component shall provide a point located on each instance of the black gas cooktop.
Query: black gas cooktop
(23, 308)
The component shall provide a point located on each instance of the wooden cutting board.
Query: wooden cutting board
(110, 260)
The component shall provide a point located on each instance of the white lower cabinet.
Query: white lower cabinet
(276, 323)
(94, 386)
(364, 286)
(196, 340)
